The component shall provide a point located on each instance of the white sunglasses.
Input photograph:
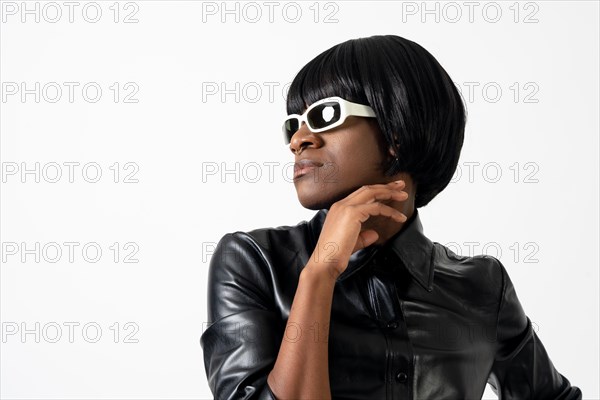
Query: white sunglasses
(323, 115)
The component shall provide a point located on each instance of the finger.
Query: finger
(391, 195)
(372, 193)
(377, 209)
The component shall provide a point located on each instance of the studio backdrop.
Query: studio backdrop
(135, 134)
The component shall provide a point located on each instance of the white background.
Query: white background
(170, 220)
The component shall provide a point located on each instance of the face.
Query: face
(350, 156)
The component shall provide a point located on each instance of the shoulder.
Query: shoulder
(258, 252)
(266, 244)
(274, 238)
(248, 267)
(480, 274)
(480, 266)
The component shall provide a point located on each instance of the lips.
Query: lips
(303, 166)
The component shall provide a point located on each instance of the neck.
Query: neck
(387, 227)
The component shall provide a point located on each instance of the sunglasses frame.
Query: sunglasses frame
(347, 109)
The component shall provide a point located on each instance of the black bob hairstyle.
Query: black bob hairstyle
(417, 106)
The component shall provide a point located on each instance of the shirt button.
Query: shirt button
(392, 324)
(401, 377)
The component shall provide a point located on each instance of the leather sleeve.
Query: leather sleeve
(522, 369)
(243, 336)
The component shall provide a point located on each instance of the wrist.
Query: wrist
(321, 272)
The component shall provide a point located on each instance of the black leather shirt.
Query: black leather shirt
(409, 320)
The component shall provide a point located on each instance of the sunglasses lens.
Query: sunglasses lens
(324, 115)
(290, 126)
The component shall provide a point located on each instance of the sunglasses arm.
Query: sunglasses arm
(359, 110)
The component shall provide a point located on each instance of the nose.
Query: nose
(302, 138)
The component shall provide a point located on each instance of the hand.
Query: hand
(342, 233)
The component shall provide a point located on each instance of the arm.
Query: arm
(239, 344)
(244, 343)
(302, 367)
(522, 369)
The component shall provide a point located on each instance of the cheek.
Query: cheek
(331, 172)
(357, 153)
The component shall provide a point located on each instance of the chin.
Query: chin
(315, 204)
(321, 200)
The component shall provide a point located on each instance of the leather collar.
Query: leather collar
(410, 245)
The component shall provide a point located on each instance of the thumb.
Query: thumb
(365, 239)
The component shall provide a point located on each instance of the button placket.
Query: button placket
(388, 310)
(401, 377)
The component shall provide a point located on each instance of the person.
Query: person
(358, 303)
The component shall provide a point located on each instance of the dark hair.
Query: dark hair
(411, 94)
